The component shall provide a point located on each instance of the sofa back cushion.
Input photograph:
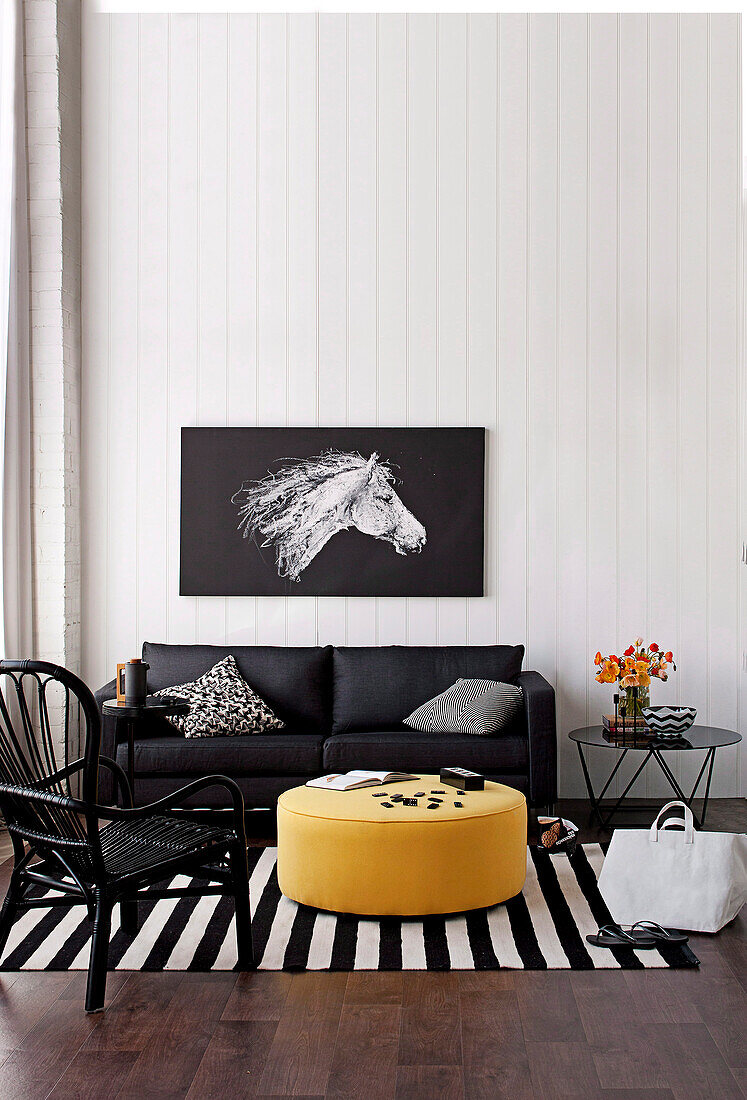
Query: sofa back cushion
(377, 687)
(294, 682)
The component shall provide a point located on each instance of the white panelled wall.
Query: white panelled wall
(525, 223)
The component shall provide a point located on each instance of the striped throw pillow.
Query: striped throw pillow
(483, 707)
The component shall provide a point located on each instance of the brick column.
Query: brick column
(52, 55)
(52, 52)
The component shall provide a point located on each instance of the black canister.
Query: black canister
(136, 682)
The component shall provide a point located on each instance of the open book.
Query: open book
(351, 781)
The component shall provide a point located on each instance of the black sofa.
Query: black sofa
(343, 707)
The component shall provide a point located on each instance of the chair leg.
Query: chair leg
(96, 987)
(128, 917)
(240, 876)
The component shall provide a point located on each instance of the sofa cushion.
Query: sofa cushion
(293, 681)
(221, 703)
(257, 754)
(411, 751)
(482, 707)
(377, 687)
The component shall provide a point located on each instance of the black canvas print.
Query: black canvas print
(332, 511)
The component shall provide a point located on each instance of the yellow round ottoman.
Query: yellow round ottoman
(344, 851)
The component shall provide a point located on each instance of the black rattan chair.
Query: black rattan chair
(100, 855)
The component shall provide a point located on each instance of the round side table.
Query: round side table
(129, 714)
(705, 738)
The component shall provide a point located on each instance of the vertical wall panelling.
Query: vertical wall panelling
(542, 342)
(511, 443)
(574, 644)
(723, 413)
(482, 127)
(529, 224)
(241, 250)
(95, 121)
(632, 236)
(392, 259)
(122, 413)
(361, 259)
(422, 246)
(602, 518)
(690, 683)
(302, 260)
(333, 252)
(152, 377)
(662, 367)
(272, 245)
(333, 223)
(182, 293)
(451, 229)
(212, 251)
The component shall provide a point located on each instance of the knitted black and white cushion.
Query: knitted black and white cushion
(221, 704)
(482, 707)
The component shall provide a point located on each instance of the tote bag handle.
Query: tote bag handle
(653, 835)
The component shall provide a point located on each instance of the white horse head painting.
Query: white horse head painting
(308, 500)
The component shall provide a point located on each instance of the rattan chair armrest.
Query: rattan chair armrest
(62, 773)
(171, 801)
(35, 794)
(78, 765)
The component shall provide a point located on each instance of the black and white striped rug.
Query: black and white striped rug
(542, 929)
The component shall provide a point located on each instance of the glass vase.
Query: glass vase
(632, 705)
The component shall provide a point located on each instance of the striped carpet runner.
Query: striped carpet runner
(544, 928)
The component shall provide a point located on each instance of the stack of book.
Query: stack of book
(621, 728)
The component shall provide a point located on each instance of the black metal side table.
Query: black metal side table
(705, 738)
(129, 714)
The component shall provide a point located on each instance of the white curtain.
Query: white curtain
(16, 634)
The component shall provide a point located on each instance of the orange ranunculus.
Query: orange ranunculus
(629, 651)
(641, 666)
(643, 679)
(654, 647)
(638, 642)
(598, 658)
(609, 673)
(629, 681)
(668, 656)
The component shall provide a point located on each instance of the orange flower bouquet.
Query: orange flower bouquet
(635, 669)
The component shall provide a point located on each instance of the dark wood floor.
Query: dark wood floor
(633, 1035)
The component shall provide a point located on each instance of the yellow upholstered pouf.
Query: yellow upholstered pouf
(344, 851)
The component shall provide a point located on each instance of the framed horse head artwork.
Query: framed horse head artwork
(332, 511)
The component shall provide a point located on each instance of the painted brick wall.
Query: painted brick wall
(52, 54)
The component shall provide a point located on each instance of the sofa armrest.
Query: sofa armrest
(539, 712)
(107, 793)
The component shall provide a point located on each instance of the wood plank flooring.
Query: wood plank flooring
(636, 1035)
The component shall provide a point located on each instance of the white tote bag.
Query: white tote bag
(685, 879)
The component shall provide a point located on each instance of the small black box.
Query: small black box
(463, 779)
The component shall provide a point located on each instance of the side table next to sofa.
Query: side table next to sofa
(129, 714)
(705, 738)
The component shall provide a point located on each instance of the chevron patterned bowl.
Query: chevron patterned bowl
(669, 721)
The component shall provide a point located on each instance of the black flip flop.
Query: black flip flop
(662, 935)
(612, 935)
